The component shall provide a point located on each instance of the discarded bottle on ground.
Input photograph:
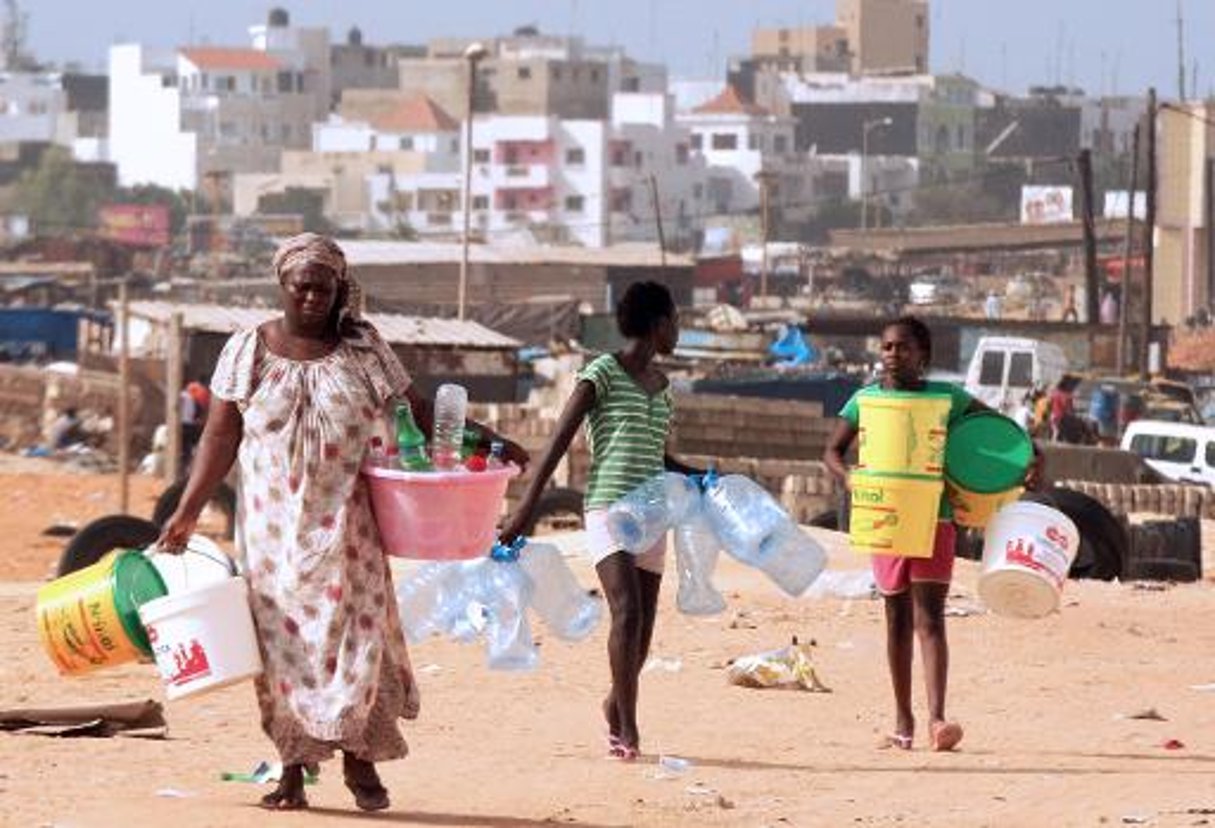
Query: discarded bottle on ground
(566, 608)
(638, 520)
(411, 442)
(451, 404)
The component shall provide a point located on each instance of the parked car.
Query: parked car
(937, 289)
(1004, 368)
(1182, 452)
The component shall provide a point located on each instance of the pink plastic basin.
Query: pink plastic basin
(438, 516)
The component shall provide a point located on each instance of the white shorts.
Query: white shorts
(599, 544)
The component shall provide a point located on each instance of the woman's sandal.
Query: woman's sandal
(289, 795)
(897, 741)
(625, 753)
(363, 781)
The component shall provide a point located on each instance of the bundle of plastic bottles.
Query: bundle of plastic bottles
(711, 513)
(490, 597)
(454, 447)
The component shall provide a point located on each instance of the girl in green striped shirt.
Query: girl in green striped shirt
(626, 402)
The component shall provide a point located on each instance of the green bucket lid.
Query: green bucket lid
(986, 453)
(136, 581)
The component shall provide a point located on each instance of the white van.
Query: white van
(1004, 368)
(1181, 452)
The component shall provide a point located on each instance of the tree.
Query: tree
(61, 197)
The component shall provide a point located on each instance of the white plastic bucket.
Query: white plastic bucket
(1027, 552)
(201, 564)
(203, 639)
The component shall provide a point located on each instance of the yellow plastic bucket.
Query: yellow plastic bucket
(89, 619)
(894, 515)
(903, 433)
(974, 509)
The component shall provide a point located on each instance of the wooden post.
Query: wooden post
(173, 384)
(1127, 250)
(662, 240)
(124, 405)
(1149, 241)
(1092, 301)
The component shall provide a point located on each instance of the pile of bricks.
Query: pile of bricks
(726, 426)
(1125, 499)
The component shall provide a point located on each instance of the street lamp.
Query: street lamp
(473, 53)
(868, 125)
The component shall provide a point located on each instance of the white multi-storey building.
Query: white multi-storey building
(177, 118)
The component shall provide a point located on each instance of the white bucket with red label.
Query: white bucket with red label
(1027, 552)
(203, 639)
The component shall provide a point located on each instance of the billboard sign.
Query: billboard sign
(1046, 205)
(140, 225)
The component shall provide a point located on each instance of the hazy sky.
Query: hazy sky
(1103, 45)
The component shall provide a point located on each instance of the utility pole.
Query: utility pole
(1125, 298)
(1092, 303)
(1149, 240)
(1181, 54)
(662, 239)
(173, 384)
(765, 179)
(124, 404)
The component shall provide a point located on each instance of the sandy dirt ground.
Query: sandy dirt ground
(1049, 708)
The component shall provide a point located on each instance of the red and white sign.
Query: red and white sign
(139, 225)
(1046, 205)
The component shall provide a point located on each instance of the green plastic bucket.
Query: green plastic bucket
(986, 457)
(136, 581)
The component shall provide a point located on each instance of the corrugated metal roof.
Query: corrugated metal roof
(371, 253)
(395, 328)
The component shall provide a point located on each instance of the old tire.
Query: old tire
(829, 519)
(564, 504)
(93, 541)
(1104, 543)
(224, 500)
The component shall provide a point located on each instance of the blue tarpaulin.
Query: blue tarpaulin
(39, 333)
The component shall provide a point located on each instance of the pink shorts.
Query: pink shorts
(894, 574)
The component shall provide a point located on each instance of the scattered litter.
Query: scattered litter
(173, 793)
(1135, 819)
(789, 667)
(674, 764)
(666, 665)
(742, 621)
(1203, 688)
(430, 669)
(725, 804)
(1173, 744)
(845, 645)
(700, 789)
(963, 610)
(1151, 714)
(265, 772)
(1151, 586)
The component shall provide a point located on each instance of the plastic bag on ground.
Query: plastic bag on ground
(696, 551)
(639, 519)
(787, 668)
(560, 601)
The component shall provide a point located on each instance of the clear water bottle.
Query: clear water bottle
(743, 515)
(791, 558)
(451, 405)
(497, 452)
(411, 442)
(565, 607)
(428, 599)
(639, 519)
(696, 551)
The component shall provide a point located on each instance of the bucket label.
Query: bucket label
(1046, 555)
(180, 663)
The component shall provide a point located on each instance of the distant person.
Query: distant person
(992, 306)
(1062, 403)
(1024, 414)
(1109, 309)
(66, 430)
(1103, 409)
(1070, 313)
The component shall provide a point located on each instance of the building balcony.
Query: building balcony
(521, 176)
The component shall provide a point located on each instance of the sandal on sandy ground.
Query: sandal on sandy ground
(895, 741)
(289, 795)
(363, 781)
(946, 735)
(625, 753)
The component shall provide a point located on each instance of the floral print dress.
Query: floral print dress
(337, 672)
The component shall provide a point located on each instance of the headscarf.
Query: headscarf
(314, 249)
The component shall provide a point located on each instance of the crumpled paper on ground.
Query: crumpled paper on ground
(789, 668)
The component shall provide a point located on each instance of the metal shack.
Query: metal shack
(434, 350)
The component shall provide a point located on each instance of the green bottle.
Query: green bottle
(411, 442)
(470, 442)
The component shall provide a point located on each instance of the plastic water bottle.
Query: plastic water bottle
(497, 452)
(411, 442)
(696, 551)
(451, 404)
(743, 515)
(428, 600)
(557, 597)
(791, 558)
(505, 590)
(639, 519)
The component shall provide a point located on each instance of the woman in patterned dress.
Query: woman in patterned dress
(296, 401)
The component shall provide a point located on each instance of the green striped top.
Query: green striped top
(627, 429)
